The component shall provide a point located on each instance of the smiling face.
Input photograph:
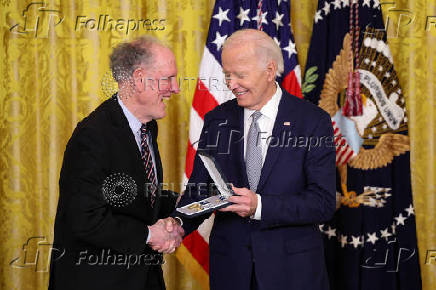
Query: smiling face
(153, 84)
(247, 76)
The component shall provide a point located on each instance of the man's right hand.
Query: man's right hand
(166, 235)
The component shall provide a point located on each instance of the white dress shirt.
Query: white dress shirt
(266, 125)
(135, 126)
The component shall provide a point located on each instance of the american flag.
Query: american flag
(273, 17)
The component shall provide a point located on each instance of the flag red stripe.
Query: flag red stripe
(203, 100)
(199, 249)
(290, 83)
(339, 145)
(348, 157)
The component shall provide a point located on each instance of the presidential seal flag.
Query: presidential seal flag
(371, 241)
(273, 17)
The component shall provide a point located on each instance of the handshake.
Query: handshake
(165, 235)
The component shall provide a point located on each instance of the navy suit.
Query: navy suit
(297, 188)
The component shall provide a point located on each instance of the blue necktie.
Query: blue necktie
(253, 157)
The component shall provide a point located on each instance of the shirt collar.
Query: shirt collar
(134, 123)
(270, 109)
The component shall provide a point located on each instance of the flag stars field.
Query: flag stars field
(385, 233)
(372, 238)
(331, 233)
(278, 20)
(290, 49)
(243, 16)
(256, 18)
(344, 239)
(400, 219)
(337, 4)
(356, 241)
(376, 4)
(345, 3)
(221, 16)
(219, 40)
(318, 16)
(410, 210)
(277, 41)
(326, 8)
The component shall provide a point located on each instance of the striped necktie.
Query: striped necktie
(150, 175)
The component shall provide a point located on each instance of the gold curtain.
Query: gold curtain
(54, 68)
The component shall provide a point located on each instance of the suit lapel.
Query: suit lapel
(227, 144)
(124, 134)
(153, 127)
(156, 208)
(283, 124)
(240, 148)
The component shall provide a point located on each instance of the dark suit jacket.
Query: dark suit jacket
(103, 211)
(297, 187)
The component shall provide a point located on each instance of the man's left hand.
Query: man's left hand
(244, 202)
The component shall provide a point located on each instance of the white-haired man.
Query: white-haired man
(111, 224)
(269, 237)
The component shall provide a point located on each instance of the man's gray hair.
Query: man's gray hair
(265, 47)
(128, 56)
